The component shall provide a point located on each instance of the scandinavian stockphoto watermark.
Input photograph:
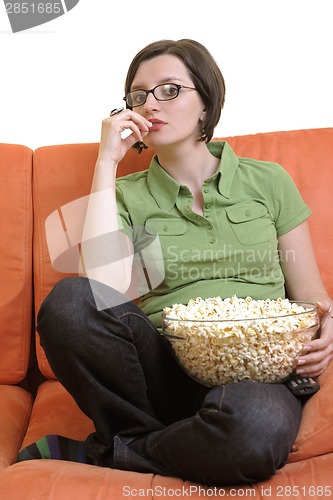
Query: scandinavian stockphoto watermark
(24, 15)
(226, 262)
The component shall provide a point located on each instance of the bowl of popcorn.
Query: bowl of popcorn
(218, 341)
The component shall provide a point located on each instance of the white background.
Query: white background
(59, 80)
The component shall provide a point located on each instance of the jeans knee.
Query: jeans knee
(66, 294)
(63, 308)
(254, 424)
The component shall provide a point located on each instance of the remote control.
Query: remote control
(302, 386)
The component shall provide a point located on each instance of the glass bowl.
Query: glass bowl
(216, 352)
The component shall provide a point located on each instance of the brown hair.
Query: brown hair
(203, 70)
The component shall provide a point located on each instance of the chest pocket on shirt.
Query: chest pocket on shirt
(250, 223)
(171, 232)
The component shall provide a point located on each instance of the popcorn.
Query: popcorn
(218, 341)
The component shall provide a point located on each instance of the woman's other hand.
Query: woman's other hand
(319, 352)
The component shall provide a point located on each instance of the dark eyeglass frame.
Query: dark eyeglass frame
(152, 91)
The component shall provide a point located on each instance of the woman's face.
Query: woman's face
(176, 121)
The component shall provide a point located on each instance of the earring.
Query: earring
(203, 135)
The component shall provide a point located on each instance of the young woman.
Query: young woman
(148, 414)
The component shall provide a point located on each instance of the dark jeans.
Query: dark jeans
(149, 415)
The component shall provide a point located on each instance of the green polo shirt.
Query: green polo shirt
(232, 248)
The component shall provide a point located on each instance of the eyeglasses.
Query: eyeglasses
(163, 92)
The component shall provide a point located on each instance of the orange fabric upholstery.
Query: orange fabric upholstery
(55, 480)
(61, 175)
(55, 412)
(58, 480)
(315, 436)
(15, 295)
(15, 261)
(307, 156)
(15, 404)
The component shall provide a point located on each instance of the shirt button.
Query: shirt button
(205, 190)
(207, 205)
(247, 213)
(165, 228)
(210, 227)
(187, 209)
(212, 240)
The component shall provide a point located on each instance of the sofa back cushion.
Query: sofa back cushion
(15, 261)
(64, 173)
(307, 156)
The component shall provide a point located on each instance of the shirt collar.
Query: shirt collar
(228, 165)
(165, 188)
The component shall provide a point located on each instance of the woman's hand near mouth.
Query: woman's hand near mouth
(113, 146)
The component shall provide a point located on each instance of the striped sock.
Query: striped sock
(56, 448)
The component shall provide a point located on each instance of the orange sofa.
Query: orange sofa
(32, 401)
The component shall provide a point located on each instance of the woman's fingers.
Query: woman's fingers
(113, 144)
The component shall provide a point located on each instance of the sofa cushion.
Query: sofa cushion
(56, 479)
(15, 404)
(55, 412)
(15, 261)
(63, 174)
(60, 174)
(307, 156)
(60, 480)
(315, 436)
